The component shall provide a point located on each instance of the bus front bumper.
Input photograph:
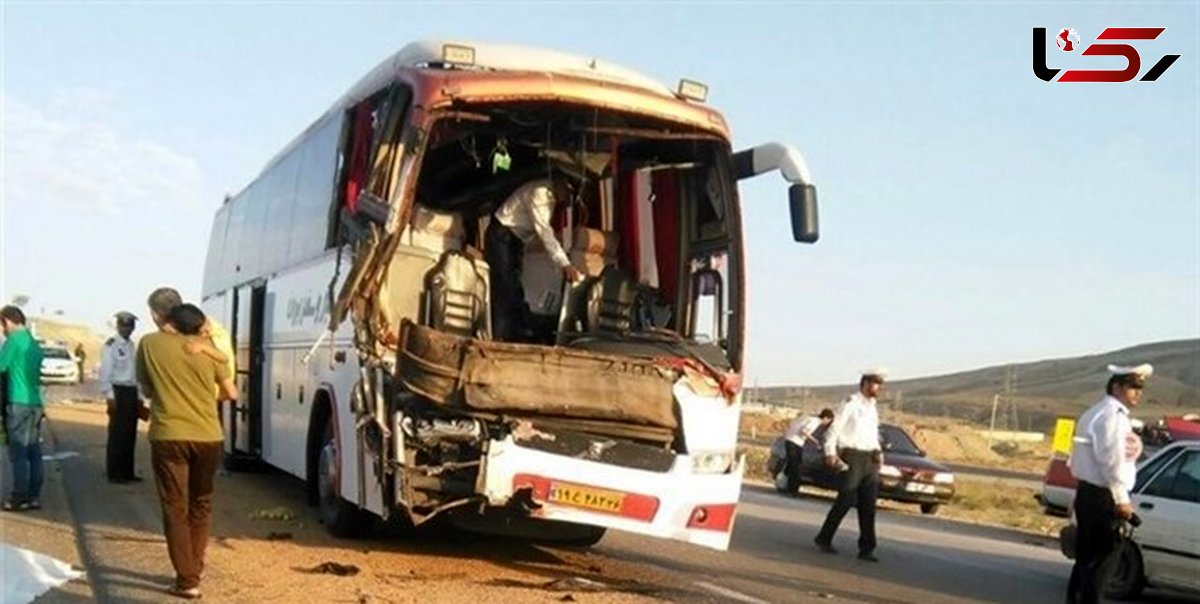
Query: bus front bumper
(678, 504)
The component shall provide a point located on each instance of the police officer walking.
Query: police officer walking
(1104, 456)
(852, 447)
(119, 384)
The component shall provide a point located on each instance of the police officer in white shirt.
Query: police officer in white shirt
(1104, 456)
(119, 385)
(801, 430)
(524, 215)
(852, 445)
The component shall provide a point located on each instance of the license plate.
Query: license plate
(916, 487)
(586, 497)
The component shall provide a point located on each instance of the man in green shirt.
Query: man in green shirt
(21, 359)
(185, 432)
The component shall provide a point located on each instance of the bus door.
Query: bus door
(244, 432)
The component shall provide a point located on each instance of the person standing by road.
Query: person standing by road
(21, 360)
(852, 446)
(1103, 459)
(80, 357)
(119, 385)
(801, 430)
(185, 434)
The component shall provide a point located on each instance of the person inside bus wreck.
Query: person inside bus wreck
(522, 217)
(185, 434)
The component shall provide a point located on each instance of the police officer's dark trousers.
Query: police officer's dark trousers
(1096, 538)
(122, 434)
(795, 457)
(859, 489)
(505, 253)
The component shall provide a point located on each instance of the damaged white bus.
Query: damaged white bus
(352, 275)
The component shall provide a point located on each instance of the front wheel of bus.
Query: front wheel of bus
(340, 517)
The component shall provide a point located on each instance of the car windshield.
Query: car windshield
(895, 440)
(55, 353)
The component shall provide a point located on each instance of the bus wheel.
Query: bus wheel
(340, 517)
(590, 536)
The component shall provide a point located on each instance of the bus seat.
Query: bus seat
(590, 251)
(434, 230)
(456, 296)
(610, 301)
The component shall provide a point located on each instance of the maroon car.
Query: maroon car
(906, 476)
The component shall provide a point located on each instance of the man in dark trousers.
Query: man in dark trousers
(524, 216)
(1104, 455)
(852, 447)
(119, 385)
(800, 431)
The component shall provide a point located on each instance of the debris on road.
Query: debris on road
(331, 568)
(28, 574)
(575, 584)
(279, 536)
(59, 455)
(275, 513)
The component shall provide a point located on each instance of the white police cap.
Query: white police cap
(877, 372)
(1143, 371)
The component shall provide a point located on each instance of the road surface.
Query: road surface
(114, 533)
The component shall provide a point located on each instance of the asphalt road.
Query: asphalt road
(923, 559)
(772, 558)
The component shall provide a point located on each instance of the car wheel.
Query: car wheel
(930, 508)
(1123, 572)
(781, 482)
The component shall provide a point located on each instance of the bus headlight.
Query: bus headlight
(711, 462)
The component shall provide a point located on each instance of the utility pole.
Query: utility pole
(992, 428)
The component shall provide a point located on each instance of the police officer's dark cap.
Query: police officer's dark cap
(125, 318)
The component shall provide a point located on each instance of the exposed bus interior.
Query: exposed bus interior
(651, 223)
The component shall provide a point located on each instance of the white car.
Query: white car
(59, 365)
(1165, 549)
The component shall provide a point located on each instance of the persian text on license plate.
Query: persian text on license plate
(916, 487)
(586, 497)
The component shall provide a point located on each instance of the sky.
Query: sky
(971, 213)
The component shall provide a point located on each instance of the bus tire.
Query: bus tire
(340, 517)
(590, 536)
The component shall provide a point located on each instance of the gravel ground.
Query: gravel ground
(114, 532)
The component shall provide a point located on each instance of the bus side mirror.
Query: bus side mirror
(802, 199)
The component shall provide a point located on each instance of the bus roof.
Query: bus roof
(489, 57)
(503, 57)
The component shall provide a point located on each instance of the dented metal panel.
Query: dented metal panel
(535, 380)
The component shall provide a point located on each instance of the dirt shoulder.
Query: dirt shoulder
(291, 557)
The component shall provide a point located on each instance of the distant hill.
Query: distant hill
(1042, 389)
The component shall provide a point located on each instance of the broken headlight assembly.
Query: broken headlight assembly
(711, 462)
